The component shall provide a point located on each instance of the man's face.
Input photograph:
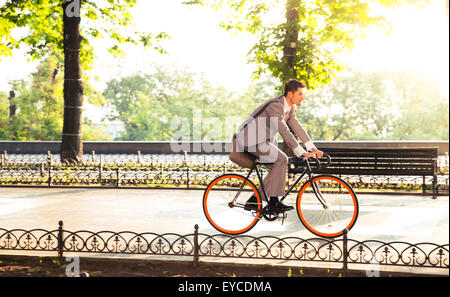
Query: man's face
(298, 96)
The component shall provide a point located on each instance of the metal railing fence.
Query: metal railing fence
(343, 250)
(173, 171)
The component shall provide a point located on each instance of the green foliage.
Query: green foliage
(43, 20)
(315, 30)
(5, 37)
(377, 106)
(40, 111)
(357, 106)
(39, 106)
(153, 106)
(423, 109)
(4, 113)
(349, 108)
(147, 103)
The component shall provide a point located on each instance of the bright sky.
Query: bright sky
(419, 41)
(196, 43)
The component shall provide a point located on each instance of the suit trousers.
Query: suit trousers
(277, 162)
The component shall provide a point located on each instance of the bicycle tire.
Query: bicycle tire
(224, 218)
(341, 210)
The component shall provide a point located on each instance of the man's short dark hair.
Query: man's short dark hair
(292, 86)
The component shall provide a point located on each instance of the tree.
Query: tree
(4, 114)
(377, 106)
(71, 144)
(38, 103)
(422, 108)
(356, 106)
(302, 43)
(153, 106)
(302, 46)
(147, 103)
(55, 26)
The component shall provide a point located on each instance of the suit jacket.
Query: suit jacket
(268, 119)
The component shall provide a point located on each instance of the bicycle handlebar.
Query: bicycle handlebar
(320, 165)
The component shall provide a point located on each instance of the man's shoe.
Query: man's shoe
(277, 206)
(251, 204)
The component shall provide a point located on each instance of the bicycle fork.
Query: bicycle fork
(316, 189)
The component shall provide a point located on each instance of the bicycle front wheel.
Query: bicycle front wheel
(224, 201)
(327, 205)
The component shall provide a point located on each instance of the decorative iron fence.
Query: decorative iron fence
(197, 245)
(173, 170)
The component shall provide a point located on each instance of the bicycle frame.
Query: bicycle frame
(308, 171)
(327, 222)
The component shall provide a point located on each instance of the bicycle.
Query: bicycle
(326, 205)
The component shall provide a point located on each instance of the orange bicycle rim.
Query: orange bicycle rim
(210, 219)
(314, 230)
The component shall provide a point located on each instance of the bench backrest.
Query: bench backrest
(382, 161)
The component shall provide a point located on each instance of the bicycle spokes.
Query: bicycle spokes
(326, 205)
(224, 201)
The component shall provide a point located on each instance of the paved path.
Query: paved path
(382, 217)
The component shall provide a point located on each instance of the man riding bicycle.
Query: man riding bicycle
(256, 136)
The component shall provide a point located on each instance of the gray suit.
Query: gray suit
(256, 135)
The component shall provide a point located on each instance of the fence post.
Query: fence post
(434, 183)
(100, 170)
(60, 239)
(118, 176)
(187, 176)
(196, 247)
(49, 160)
(345, 251)
(423, 185)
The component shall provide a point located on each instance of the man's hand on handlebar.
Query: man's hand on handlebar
(308, 155)
(314, 154)
(319, 154)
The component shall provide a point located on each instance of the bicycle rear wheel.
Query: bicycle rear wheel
(326, 205)
(223, 204)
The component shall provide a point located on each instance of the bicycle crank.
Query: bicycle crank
(272, 216)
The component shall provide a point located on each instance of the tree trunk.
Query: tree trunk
(292, 30)
(72, 145)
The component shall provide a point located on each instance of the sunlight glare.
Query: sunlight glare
(419, 42)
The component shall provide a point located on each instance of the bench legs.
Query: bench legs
(433, 187)
(435, 190)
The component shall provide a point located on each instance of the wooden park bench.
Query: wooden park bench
(383, 161)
